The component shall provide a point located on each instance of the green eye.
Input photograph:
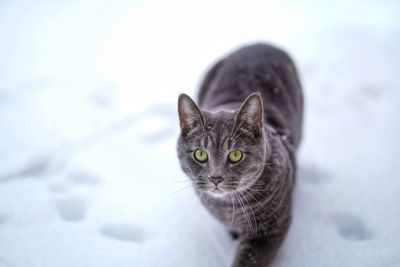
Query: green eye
(235, 156)
(201, 155)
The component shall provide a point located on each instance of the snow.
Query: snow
(88, 123)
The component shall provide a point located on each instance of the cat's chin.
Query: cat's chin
(217, 193)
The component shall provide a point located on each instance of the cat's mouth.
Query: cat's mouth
(217, 190)
(213, 190)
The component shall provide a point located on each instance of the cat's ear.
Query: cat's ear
(190, 116)
(250, 115)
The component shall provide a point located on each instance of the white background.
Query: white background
(88, 124)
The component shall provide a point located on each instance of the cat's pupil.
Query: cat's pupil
(201, 155)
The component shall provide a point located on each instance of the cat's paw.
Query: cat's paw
(235, 235)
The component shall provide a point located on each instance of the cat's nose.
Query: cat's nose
(216, 179)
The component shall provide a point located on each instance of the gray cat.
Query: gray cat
(239, 155)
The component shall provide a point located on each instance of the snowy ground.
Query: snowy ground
(88, 90)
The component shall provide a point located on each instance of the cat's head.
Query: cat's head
(223, 151)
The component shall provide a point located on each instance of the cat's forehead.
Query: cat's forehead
(218, 129)
(222, 119)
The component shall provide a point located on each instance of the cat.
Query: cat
(238, 146)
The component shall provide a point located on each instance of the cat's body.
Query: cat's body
(250, 194)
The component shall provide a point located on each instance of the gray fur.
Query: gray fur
(254, 198)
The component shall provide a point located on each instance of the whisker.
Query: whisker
(255, 191)
(251, 209)
(178, 191)
(260, 190)
(247, 217)
(256, 200)
(233, 209)
(201, 194)
(179, 182)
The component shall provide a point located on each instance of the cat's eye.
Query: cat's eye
(200, 155)
(235, 156)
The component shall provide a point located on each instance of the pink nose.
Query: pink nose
(216, 179)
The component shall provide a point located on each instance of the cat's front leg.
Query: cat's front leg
(256, 252)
